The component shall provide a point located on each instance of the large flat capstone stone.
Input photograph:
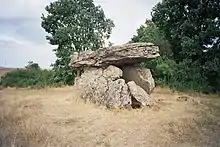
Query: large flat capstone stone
(120, 55)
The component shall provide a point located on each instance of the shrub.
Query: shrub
(182, 76)
(29, 78)
(162, 68)
(189, 78)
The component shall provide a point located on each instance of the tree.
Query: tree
(110, 44)
(74, 25)
(191, 26)
(32, 65)
(149, 32)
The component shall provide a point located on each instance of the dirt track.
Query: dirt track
(54, 117)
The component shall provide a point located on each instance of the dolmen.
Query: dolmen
(112, 77)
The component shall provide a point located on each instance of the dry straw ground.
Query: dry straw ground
(55, 118)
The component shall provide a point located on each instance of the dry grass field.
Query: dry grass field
(56, 118)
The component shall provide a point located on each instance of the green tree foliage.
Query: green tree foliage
(149, 32)
(162, 68)
(179, 76)
(74, 25)
(31, 76)
(28, 78)
(32, 65)
(192, 28)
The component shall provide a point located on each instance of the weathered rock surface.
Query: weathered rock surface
(105, 84)
(139, 95)
(120, 55)
(141, 76)
(112, 72)
(104, 87)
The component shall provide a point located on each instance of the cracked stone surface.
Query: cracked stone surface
(141, 76)
(139, 94)
(120, 55)
(104, 86)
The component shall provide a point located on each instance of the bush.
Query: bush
(29, 78)
(162, 68)
(189, 77)
(182, 76)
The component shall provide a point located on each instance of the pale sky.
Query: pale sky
(22, 39)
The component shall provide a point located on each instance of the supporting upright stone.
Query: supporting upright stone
(141, 76)
(139, 95)
(104, 86)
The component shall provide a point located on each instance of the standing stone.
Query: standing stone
(103, 86)
(141, 76)
(139, 95)
(118, 95)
